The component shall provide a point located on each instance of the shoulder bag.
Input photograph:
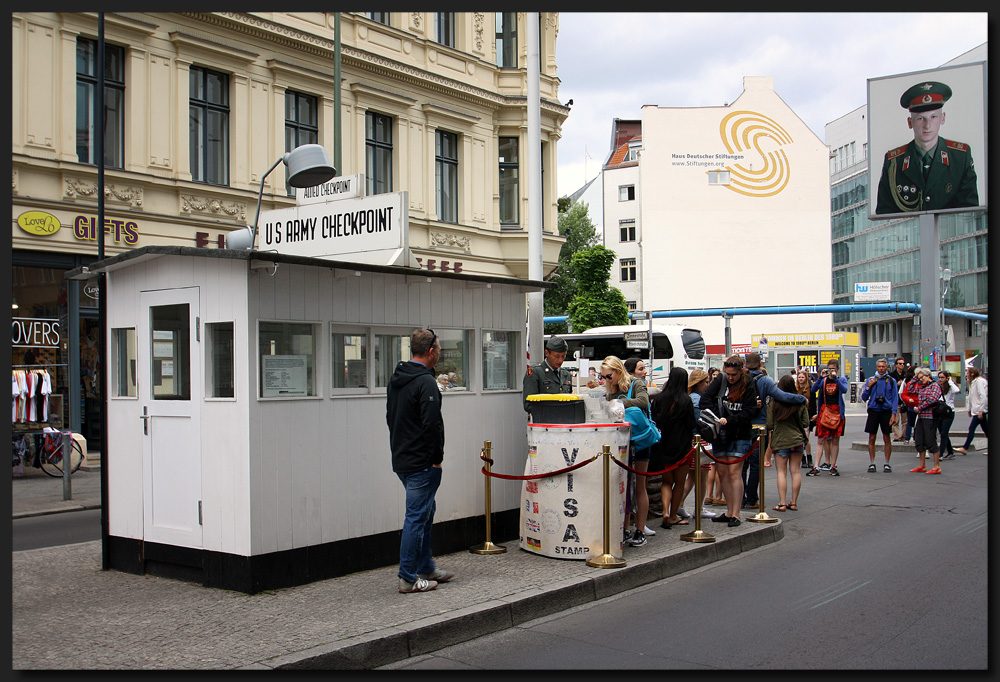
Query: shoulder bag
(644, 432)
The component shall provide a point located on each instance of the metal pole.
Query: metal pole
(533, 179)
(762, 516)
(930, 287)
(729, 333)
(607, 559)
(337, 149)
(102, 303)
(698, 535)
(488, 547)
(67, 439)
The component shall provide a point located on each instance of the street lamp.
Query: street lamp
(945, 281)
(308, 165)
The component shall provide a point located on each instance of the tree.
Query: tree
(595, 303)
(580, 233)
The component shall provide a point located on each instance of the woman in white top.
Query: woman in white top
(978, 407)
(948, 390)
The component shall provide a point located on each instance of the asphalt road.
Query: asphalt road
(50, 530)
(876, 571)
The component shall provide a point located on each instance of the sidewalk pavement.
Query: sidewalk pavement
(67, 613)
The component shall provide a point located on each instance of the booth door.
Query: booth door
(169, 364)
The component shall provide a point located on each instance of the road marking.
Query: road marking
(857, 587)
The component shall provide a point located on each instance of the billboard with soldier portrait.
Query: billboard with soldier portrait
(927, 141)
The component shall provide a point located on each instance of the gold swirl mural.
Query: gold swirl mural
(749, 131)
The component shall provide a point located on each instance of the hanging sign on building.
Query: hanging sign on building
(347, 187)
(872, 292)
(365, 229)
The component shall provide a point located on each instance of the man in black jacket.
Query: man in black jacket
(416, 439)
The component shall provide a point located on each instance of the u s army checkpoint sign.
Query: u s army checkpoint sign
(366, 230)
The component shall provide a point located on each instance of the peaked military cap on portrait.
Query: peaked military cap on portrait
(925, 96)
(556, 345)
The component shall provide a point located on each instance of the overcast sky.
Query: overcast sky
(611, 64)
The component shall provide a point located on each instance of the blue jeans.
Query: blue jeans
(976, 421)
(911, 420)
(415, 543)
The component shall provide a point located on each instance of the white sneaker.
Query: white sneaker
(705, 514)
(683, 513)
(419, 585)
(647, 531)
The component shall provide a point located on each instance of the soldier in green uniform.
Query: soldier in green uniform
(548, 376)
(930, 172)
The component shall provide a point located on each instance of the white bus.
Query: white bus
(673, 345)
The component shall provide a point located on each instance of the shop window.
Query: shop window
(500, 348)
(220, 364)
(287, 359)
(123, 363)
(350, 360)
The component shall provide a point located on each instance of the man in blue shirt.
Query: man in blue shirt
(767, 390)
(883, 400)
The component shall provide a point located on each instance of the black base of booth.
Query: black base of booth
(297, 566)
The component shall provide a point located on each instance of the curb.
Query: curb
(46, 511)
(382, 647)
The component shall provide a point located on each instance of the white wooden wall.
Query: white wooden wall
(320, 468)
(284, 474)
(224, 438)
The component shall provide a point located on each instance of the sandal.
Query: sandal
(781, 507)
(792, 507)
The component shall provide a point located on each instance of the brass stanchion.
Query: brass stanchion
(488, 547)
(697, 535)
(606, 560)
(762, 516)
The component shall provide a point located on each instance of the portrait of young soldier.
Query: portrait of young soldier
(929, 172)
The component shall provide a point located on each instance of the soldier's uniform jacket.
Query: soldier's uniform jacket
(951, 181)
(541, 378)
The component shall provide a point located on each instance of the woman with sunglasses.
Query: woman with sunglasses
(733, 398)
(617, 382)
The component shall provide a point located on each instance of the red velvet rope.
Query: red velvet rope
(533, 477)
(686, 458)
(738, 459)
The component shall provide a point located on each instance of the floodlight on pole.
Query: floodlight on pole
(308, 165)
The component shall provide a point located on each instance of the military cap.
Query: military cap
(556, 345)
(925, 96)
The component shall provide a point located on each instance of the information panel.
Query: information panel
(562, 516)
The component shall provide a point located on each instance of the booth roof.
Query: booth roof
(269, 257)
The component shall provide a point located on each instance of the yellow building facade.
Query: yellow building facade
(198, 106)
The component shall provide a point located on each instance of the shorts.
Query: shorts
(642, 455)
(797, 450)
(925, 435)
(823, 432)
(737, 448)
(878, 419)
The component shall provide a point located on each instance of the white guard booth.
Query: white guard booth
(247, 444)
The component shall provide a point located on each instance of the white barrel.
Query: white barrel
(562, 516)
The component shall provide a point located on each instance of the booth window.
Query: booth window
(123, 362)
(171, 352)
(287, 359)
(452, 370)
(350, 360)
(221, 360)
(500, 348)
